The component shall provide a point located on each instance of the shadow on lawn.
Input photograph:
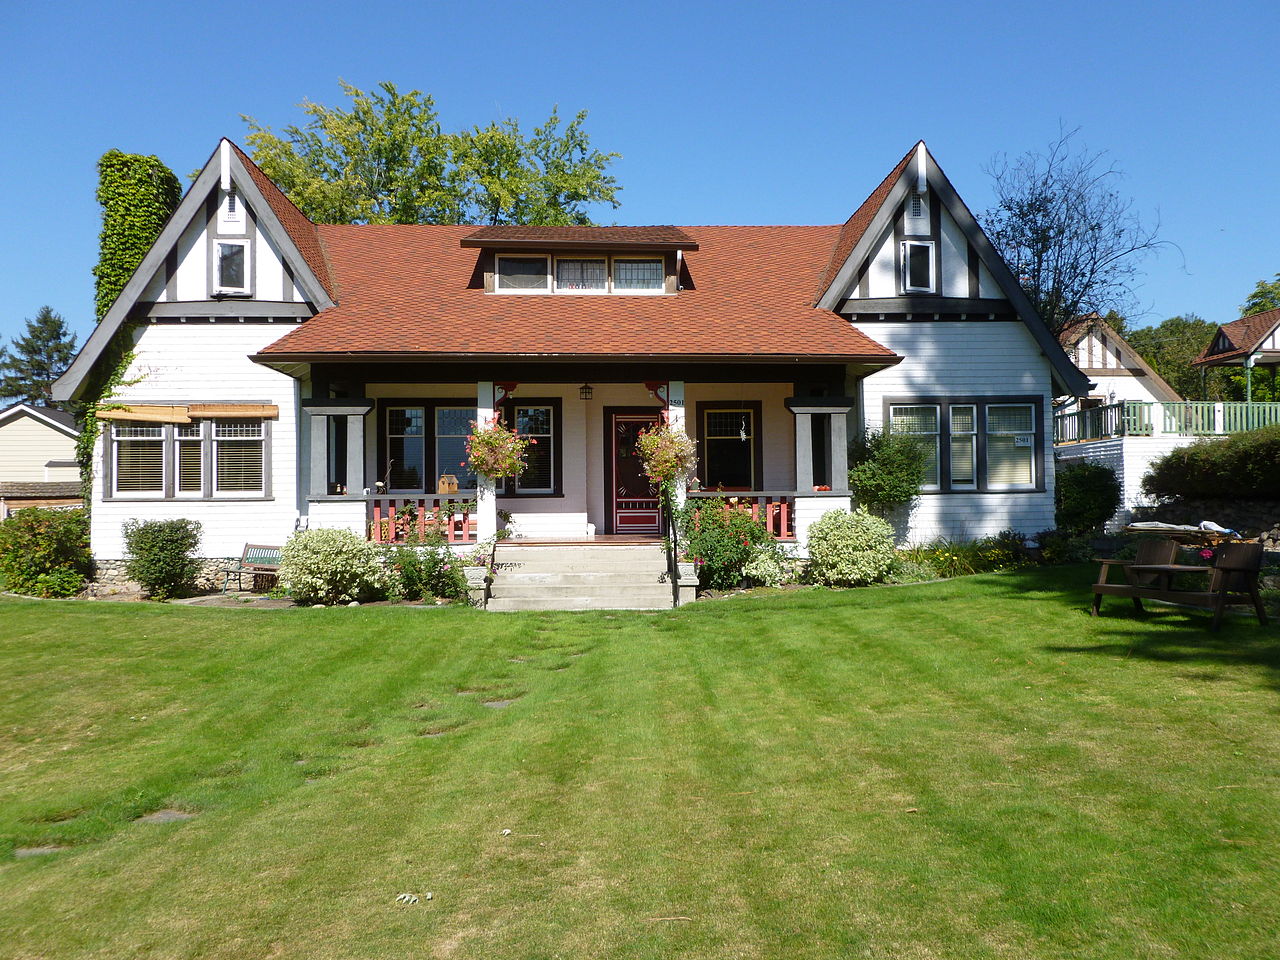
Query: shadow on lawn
(1165, 634)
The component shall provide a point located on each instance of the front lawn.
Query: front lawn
(967, 769)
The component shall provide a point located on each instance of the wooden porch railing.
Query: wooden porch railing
(397, 519)
(776, 510)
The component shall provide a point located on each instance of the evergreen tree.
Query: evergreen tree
(30, 364)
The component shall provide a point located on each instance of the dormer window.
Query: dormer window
(636, 275)
(523, 274)
(231, 266)
(917, 266)
(582, 276)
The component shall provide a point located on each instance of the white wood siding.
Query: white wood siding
(209, 363)
(26, 445)
(965, 359)
(1130, 458)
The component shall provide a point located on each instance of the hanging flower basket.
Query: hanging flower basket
(669, 456)
(495, 450)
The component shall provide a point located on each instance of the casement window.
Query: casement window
(523, 274)
(920, 421)
(917, 266)
(639, 275)
(581, 276)
(975, 444)
(730, 453)
(205, 459)
(537, 422)
(231, 267)
(423, 440)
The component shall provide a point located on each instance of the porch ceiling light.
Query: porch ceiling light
(585, 391)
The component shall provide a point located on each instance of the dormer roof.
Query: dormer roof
(580, 238)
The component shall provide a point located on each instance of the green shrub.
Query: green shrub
(1062, 546)
(907, 570)
(1244, 466)
(427, 572)
(334, 566)
(721, 538)
(850, 549)
(161, 555)
(887, 469)
(959, 558)
(1086, 495)
(44, 552)
(770, 567)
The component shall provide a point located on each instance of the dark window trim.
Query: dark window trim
(944, 404)
(169, 493)
(508, 412)
(757, 452)
(429, 466)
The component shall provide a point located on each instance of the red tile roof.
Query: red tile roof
(1244, 335)
(414, 290)
(301, 230)
(857, 224)
(497, 236)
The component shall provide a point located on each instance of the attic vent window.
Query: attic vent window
(231, 210)
(917, 205)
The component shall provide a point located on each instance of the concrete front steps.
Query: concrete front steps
(580, 576)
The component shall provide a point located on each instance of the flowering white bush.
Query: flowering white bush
(850, 549)
(769, 567)
(333, 566)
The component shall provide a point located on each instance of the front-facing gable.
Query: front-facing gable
(1102, 354)
(1235, 342)
(914, 251)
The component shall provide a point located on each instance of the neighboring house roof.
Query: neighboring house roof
(1073, 333)
(60, 420)
(660, 237)
(416, 290)
(41, 489)
(1240, 338)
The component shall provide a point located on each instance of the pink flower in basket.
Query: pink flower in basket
(1206, 554)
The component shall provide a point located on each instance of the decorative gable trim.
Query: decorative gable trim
(223, 164)
(1067, 376)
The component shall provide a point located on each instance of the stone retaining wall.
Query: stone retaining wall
(109, 576)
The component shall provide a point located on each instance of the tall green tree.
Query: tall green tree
(30, 364)
(1070, 237)
(1172, 345)
(1265, 296)
(137, 194)
(388, 159)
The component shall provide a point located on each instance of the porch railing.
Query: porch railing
(1136, 418)
(397, 519)
(775, 509)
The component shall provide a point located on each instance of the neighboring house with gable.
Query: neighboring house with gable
(289, 374)
(37, 458)
(1133, 417)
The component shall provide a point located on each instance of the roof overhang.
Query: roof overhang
(272, 359)
(35, 413)
(613, 246)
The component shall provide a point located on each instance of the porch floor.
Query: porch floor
(600, 539)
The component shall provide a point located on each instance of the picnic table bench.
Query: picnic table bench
(258, 559)
(1232, 580)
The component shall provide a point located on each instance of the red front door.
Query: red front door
(633, 499)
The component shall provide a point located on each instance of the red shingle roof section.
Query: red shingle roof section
(1244, 335)
(497, 236)
(415, 290)
(300, 229)
(857, 224)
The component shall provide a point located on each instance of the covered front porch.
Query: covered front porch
(381, 454)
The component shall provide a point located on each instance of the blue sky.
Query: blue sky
(724, 112)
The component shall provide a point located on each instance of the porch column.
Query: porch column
(676, 418)
(319, 412)
(355, 455)
(804, 452)
(486, 495)
(840, 450)
(319, 471)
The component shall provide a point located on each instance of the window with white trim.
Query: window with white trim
(218, 458)
(538, 424)
(917, 266)
(138, 458)
(523, 274)
(1011, 445)
(574, 275)
(920, 421)
(639, 275)
(975, 445)
(231, 266)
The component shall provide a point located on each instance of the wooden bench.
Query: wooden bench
(257, 559)
(1233, 579)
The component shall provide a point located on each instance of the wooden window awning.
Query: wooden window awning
(169, 413)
